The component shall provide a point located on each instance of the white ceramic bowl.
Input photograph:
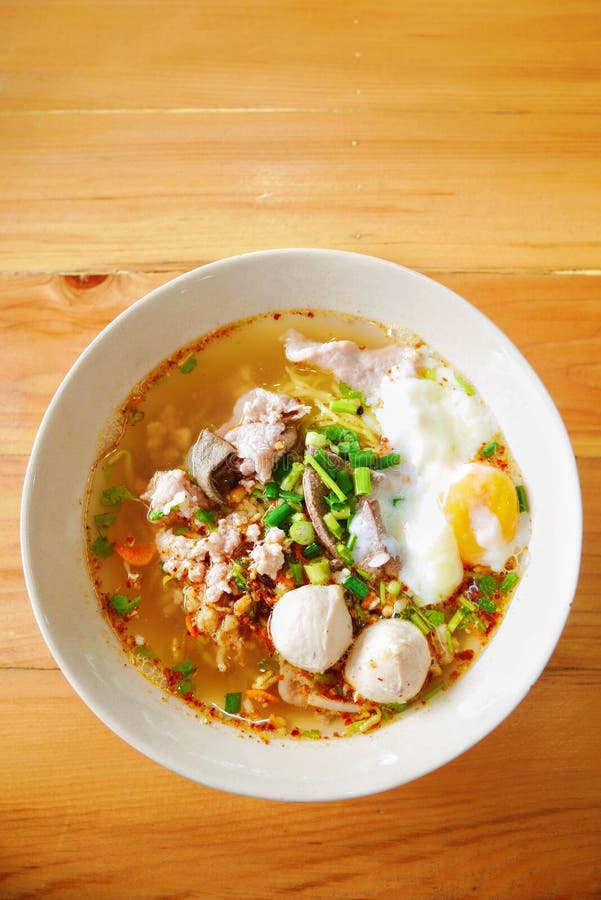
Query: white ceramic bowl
(88, 652)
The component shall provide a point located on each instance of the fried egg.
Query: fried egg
(444, 510)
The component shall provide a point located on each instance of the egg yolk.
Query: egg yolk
(482, 487)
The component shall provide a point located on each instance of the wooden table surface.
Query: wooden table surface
(140, 139)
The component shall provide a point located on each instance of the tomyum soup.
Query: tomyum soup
(305, 524)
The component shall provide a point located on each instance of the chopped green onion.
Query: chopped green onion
(387, 461)
(347, 391)
(185, 668)
(206, 517)
(113, 496)
(509, 582)
(465, 385)
(155, 515)
(237, 573)
(135, 416)
(365, 574)
(433, 691)
(315, 439)
(351, 407)
(456, 620)
(184, 687)
(522, 498)
(324, 678)
(283, 466)
(312, 734)
(490, 449)
(122, 605)
(382, 592)
(145, 652)
(449, 641)
(333, 524)
(419, 622)
(344, 480)
(352, 540)
(467, 604)
(487, 605)
(296, 570)
(233, 703)
(318, 571)
(278, 515)
(356, 587)
(395, 708)
(289, 480)
(302, 533)
(363, 458)
(362, 477)
(312, 550)
(327, 479)
(272, 490)
(393, 588)
(344, 553)
(182, 530)
(291, 495)
(397, 500)
(431, 374)
(434, 616)
(487, 585)
(188, 365)
(102, 547)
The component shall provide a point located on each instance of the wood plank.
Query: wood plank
(486, 820)
(433, 190)
(461, 57)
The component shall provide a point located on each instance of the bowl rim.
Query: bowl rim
(115, 723)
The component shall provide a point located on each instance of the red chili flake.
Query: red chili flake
(464, 654)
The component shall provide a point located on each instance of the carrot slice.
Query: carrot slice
(139, 555)
(191, 626)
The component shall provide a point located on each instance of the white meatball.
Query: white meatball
(311, 626)
(389, 661)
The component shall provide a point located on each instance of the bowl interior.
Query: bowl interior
(175, 314)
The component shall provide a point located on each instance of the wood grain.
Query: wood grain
(139, 139)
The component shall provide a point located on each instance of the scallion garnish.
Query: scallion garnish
(291, 495)
(397, 500)
(487, 585)
(356, 586)
(113, 496)
(362, 477)
(327, 479)
(318, 571)
(312, 734)
(188, 365)
(296, 570)
(185, 669)
(206, 517)
(233, 703)
(490, 449)
(487, 605)
(333, 524)
(344, 553)
(288, 482)
(433, 691)
(509, 582)
(238, 575)
(418, 621)
(155, 515)
(522, 498)
(272, 490)
(315, 439)
(348, 406)
(278, 515)
(312, 550)
(465, 385)
(122, 605)
(347, 391)
(344, 481)
(456, 620)
(302, 532)
(102, 547)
